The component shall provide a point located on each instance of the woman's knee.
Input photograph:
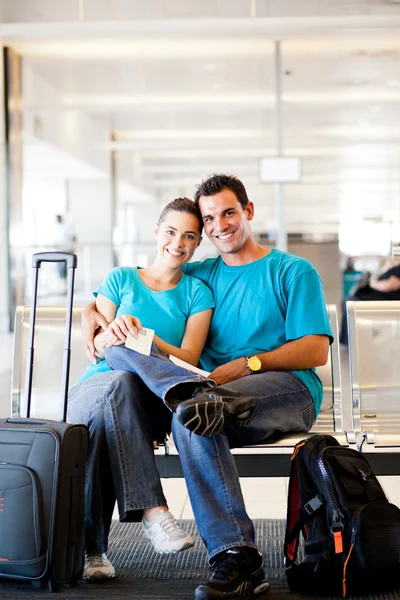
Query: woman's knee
(121, 382)
(124, 390)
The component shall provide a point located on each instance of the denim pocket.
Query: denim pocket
(307, 416)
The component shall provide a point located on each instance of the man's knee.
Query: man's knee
(184, 437)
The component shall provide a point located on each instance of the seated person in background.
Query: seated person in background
(384, 285)
(121, 463)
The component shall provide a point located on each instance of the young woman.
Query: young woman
(179, 308)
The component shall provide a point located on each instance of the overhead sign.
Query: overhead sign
(280, 169)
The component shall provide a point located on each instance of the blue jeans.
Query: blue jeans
(163, 377)
(123, 418)
(285, 406)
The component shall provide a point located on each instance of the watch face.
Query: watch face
(254, 363)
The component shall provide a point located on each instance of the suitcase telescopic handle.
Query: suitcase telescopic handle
(39, 257)
(21, 421)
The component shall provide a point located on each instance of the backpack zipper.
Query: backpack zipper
(337, 525)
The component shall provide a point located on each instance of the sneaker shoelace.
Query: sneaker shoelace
(169, 525)
(227, 566)
(96, 561)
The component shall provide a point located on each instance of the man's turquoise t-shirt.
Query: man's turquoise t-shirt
(260, 307)
(166, 312)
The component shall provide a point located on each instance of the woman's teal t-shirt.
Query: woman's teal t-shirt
(166, 312)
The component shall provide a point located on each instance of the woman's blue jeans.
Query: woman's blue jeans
(123, 418)
(163, 377)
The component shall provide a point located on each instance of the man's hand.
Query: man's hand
(91, 321)
(236, 369)
(119, 328)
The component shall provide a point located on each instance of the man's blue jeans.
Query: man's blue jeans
(285, 406)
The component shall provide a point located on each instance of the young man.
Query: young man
(269, 330)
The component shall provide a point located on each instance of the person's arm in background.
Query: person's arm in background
(388, 280)
(388, 265)
(392, 284)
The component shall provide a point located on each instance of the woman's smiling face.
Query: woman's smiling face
(177, 238)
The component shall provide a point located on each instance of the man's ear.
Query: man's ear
(250, 211)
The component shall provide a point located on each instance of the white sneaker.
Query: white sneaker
(97, 566)
(165, 534)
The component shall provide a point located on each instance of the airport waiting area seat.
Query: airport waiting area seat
(265, 460)
(49, 353)
(374, 352)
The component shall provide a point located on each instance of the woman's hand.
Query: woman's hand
(119, 328)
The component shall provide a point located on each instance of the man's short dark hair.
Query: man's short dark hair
(219, 181)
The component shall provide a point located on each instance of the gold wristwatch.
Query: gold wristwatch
(254, 364)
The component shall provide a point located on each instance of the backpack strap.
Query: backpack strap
(294, 520)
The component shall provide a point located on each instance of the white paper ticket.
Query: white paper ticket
(188, 366)
(143, 341)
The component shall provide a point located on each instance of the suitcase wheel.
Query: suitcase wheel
(37, 583)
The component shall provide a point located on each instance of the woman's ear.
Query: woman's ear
(156, 230)
(199, 242)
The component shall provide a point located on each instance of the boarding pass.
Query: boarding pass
(142, 343)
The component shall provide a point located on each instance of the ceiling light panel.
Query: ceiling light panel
(101, 11)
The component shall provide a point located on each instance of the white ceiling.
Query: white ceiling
(188, 88)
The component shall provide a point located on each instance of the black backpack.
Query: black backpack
(351, 531)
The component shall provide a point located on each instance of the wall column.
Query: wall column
(4, 245)
(281, 239)
(12, 252)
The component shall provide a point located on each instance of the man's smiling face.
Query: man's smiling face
(226, 223)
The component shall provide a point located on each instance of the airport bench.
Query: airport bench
(264, 460)
(374, 352)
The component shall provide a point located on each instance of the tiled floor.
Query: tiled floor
(264, 497)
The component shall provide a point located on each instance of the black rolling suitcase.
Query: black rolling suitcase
(42, 477)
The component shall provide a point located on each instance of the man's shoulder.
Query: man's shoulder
(193, 282)
(291, 263)
(201, 268)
